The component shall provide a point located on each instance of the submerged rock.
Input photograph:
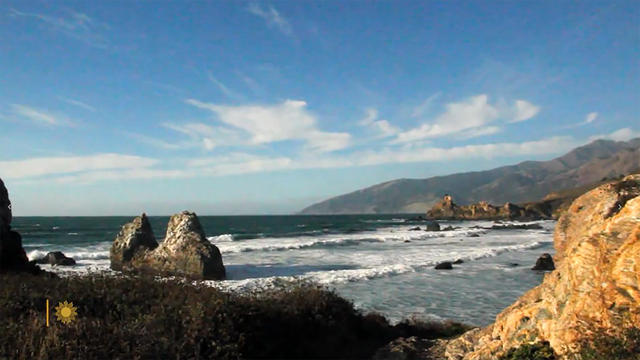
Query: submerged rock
(544, 262)
(458, 262)
(56, 258)
(596, 284)
(447, 265)
(134, 240)
(433, 226)
(417, 228)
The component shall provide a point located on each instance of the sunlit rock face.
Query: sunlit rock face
(185, 250)
(595, 284)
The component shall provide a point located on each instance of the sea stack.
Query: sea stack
(133, 242)
(185, 250)
(595, 287)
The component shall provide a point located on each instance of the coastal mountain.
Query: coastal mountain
(524, 182)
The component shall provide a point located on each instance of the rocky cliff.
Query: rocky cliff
(594, 289)
(185, 250)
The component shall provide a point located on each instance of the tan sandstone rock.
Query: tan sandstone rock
(134, 241)
(185, 250)
(596, 283)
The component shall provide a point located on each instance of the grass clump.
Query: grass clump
(536, 351)
(142, 318)
(603, 345)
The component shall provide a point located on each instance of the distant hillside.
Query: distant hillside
(527, 181)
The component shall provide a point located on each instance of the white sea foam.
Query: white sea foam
(221, 238)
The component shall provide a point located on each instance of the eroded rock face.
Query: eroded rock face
(596, 282)
(185, 250)
(133, 242)
(12, 255)
(5, 208)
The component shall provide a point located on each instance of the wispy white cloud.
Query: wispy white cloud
(78, 103)
(76, 25)
(382, 128)
(591, 117)
(472, 117)
(524, 110)
(272, 17)
(34, 167)
(624, 134)
(425, 106)
(289, 120)
(222, 87)
(206, 136)
(40, 116)
(145, 139)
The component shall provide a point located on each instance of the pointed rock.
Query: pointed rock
(135, 240)
(186, 250)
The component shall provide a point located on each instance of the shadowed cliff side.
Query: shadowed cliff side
(594, 289)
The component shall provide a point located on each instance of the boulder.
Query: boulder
(412, 348)
(473, 235)
(417, 228)
(185, 250)
(594, 289)
(433, 226)
(458, 262)
(133, 242)
(544, 262)
(447, 265)
(56, 258)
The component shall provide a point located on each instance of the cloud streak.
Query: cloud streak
(39, 116)
(272, 17)
(76, 25)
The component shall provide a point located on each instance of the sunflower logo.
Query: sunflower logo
(66, 312)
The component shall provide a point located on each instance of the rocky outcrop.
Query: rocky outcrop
(544, 262)
(185, 250)
(446, 209)
(596, 284)
(446, 265)
(432, 226)
(133, 242)
(56, 258)
(12, 255)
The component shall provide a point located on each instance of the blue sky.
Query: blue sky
(119, 107)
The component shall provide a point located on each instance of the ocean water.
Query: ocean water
(377, 261)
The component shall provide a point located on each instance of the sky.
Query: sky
(232, 107)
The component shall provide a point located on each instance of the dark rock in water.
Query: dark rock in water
(513, 264)
(412, 348)
(417, 228)
(417, 218)
(459, 261)
(134, 240)
(447, 265)
(515, 227)
(433, 226)
(185, 250)
(12, 255)
(544, 262)
(56, 258)
(473, 235)
(450, 228)
(407, 241)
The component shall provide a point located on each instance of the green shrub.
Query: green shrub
(142, 318)
(625, 345)
(537, 351)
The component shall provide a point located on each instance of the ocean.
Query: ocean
(376, 261)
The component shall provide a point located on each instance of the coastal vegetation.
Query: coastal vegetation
(141, 317)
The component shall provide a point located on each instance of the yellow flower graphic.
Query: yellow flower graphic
(66, 312)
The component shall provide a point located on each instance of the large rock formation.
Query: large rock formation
(596, 284)
(56, 258)
(135, 240)
(448, 210)
(12, 255)
(185, 250)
